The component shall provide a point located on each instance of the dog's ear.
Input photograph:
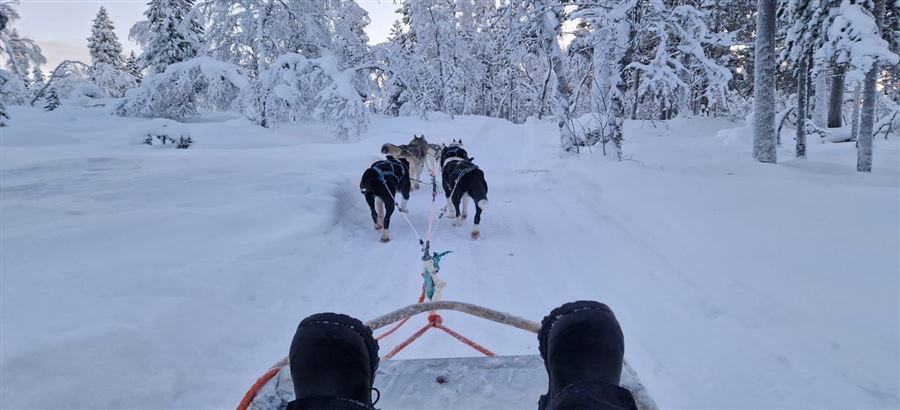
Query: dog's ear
(460, 141)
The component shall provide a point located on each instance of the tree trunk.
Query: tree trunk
(440, 60)
(821, 99)
(836, 99)
(637, 84)
(802, 105)
(867, 122)
(550, 31)
(854, 118)
(764, 148)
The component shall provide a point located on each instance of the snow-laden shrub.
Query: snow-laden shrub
(165, 134)
(68, 78)
(297, 89)
(112, 80)
(12, 88)
(87, 90)
(184, 88)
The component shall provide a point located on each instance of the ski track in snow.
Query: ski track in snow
(142, 277)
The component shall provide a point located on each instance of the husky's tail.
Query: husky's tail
(478, 189)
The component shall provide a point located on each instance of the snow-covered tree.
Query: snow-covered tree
(103, 43)
(37, 81)
(273, 28)
(764, 133)
(868, 37)
(37, 77)
(133, 68)
(173, 34)
(19, 55)
(114, 81)
(64, 79)
(185, 88)
(108, 68)
(298, 89)
(52, 100)
(803, 24)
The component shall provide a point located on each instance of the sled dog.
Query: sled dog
(379, 185)
(461, 180)
(416, 153)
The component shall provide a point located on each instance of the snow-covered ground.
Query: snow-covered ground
(140, 277)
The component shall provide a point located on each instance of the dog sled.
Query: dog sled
(444, 383)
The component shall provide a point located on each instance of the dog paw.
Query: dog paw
(385, 237)
(377, 227)
(476, 234)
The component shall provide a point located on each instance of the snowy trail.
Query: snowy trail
(171, 279)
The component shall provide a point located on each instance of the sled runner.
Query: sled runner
(444, 383)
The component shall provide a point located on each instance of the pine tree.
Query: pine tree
(37, 77)
(132, 67)
(174, 35)
(52, 100)
(103, 43)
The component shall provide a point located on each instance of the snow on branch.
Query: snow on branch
(184, 88)
(298, 89)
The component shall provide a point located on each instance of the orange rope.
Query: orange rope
(465, 340)
(251, 394)
(436, 321)
(406, 342)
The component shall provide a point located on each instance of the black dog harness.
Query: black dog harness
(462, 168)
(397, 169)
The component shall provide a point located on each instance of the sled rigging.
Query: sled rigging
(471, 382)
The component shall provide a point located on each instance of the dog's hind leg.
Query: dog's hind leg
(416, 171)
(379, 209)
(465, 206)
(388, 211)
(476, 231)
(457, 213)
(370, 200)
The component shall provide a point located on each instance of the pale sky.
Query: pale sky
(61, 27)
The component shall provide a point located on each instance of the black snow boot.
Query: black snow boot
(333, 361)
(583, 348)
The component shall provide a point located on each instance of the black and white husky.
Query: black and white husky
(461, 180)
(454, 150)
(379, 184)
(416, 153)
